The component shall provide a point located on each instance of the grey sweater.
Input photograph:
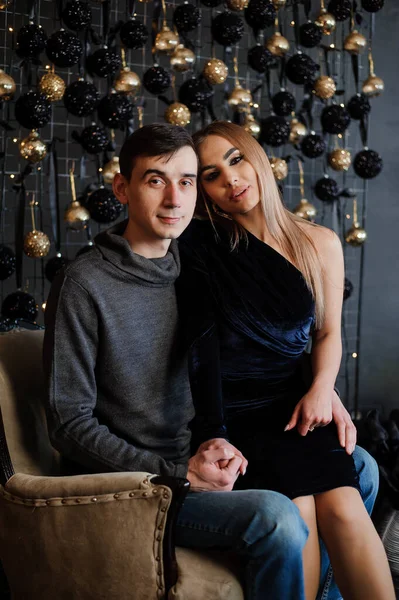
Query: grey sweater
(118, 389)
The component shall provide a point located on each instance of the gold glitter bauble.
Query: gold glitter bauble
(252, 126)
(277, 44)
(326, 22)
(279, 168)
(324, 87)
(32, 148)
(305, 210)
(110, 169)
(166, 41)
(215, 71)
(7, 86)
(237, 5)
(356, 235)
(177, 114)
(52, 86)
(279, 3)
(182, 59)
(239, 97)
(127, 82)
(339, 159)
(373, 86)
(77, 216)
(4, 4)
(298, 131)
(36, 244)
(355, 42)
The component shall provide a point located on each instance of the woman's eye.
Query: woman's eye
(237, 159)
(211, 176)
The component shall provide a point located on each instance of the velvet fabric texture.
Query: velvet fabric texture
(248, 317)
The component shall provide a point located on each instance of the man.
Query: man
(119, 396)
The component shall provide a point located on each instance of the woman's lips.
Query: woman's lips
(236, 196)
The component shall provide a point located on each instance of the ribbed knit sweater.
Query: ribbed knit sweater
(118, 389)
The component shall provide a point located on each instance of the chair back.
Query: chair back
(21, 398)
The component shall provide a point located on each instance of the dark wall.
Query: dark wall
(379, 352)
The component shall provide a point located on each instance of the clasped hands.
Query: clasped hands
(217, 463)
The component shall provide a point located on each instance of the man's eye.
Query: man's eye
(155, 181)
(186, 183)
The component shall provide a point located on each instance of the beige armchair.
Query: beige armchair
(86, 537)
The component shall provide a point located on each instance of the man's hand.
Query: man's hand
(205, 472)
(313, 410)
(216, 443)
(346, 429)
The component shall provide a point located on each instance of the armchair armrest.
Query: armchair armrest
(89, 536)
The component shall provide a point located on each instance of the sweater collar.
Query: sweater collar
(147, 271)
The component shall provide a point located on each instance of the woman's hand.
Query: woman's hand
(313, 410)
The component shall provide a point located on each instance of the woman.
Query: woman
(257, 282)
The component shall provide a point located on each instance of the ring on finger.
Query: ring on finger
(311, 428)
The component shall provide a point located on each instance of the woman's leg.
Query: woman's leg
(311, 551)
(356, 552)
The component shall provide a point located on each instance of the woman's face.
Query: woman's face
(227, 177)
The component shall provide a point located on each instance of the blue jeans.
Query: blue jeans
(265, 530)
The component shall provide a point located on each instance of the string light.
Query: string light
(354, 354)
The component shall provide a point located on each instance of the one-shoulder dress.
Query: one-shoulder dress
(247, 316)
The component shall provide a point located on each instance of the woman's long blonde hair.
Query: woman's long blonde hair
(284, 226)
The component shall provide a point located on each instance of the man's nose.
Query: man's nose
(172, 196)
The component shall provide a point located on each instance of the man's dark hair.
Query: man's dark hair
(157, 139)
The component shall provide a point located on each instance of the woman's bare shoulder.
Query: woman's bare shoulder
(325, 240)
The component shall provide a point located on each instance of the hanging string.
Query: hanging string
(301, 180)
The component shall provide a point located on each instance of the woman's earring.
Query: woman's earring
(220, 213)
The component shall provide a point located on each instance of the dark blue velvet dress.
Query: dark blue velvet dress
(248, 316)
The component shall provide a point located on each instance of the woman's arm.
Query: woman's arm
(315, 408)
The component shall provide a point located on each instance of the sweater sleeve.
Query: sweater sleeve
(196, 311)
(69, 356)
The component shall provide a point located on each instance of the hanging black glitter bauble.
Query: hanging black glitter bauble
(283, 103)
(134, 34)
(54, 266)
(195, 94)
(275, 131)
(19, 305)
(310, 35)
(156, 80)
(31, 41)
(260, 58)
(32, 110)
(7, 324)
(115, 110)
(77, 15)
(94, 139)
(103, 206)
(313, 145)
(104, 62)
(211, 3)
(227, 28)
(358, 106)
(64, 49)
(301, 69)
(7, 262)
(326, 189)
(260, 14)
(335, 119)
(341, 9)
(348, 288)
(186, 17)
(372, 5)
(367, 164)
(81, 98)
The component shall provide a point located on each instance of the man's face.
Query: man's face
(161, 195)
